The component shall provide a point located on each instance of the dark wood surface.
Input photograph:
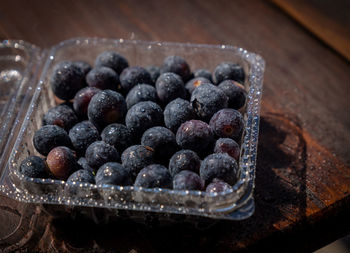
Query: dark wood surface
(303, 167)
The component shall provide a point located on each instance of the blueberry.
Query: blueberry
(142, 116)
(195, 135)
(79, 177)
(106, 107)
(184, 159)
(229, 71)
(188, 180)
(84, 164)
(118, 136)
(235, 92)
(62, 116)
(141, 92)
(229, 146)
(103, 78)
(68, 103)
(66, 80)
(177, 112)
(83, 66)
(82, 100)
(204, 73)
(113, 174)
(154, 176)
(112, 60)
(154, 71)
(162, 141)
(218, 186)
(82, 135)
(136, 158)
(177, 65)
(169, 87)
(206, 100)
(132, 76)
(192, 84)
(49, 137)
(227, 123)
(34, 166)
(62, 162)
(82, 176)
(99, 153)
(220, 166)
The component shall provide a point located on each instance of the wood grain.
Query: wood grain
(329, 20)
(303, 167)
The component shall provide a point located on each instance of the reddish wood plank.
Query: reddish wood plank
(329, 20)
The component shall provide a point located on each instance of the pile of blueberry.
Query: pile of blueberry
(150, 127)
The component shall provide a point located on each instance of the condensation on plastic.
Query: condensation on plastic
(236, 204)
(19, 70)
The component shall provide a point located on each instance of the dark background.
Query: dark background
(302, 177)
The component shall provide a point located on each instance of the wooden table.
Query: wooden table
(303, 175)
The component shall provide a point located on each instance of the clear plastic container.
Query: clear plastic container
(29, 97)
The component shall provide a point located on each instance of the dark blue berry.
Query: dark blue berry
(106, 107)
(82, 100)
(192, 84)
(203, 73)
(99, 153)
(229, 71)
(49, 137)
(112, 60)
(66, 80)
(207, 99)
(154, 71)
(177, 112)
(141, 92)
(62, 162)
(221, 166)
(82, 176)
(195, 135)
(132, 76)
(84, 164)
(82, 135)
(184, 159)
(177, 65)
(136, 158)
(79, 177)
(34, 166)
(68, 103)
(118, 136)
(235, 92)
(218, 186)
(229, 146)
(227, 123)
(83, 66)
(154, 176)
(188, 180)
(162, 141)
(103, 78)
(142, 116)
(113, 173)
(62, 116)
(169, 87)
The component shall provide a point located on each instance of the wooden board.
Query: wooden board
(328, 20)
(302, 184)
